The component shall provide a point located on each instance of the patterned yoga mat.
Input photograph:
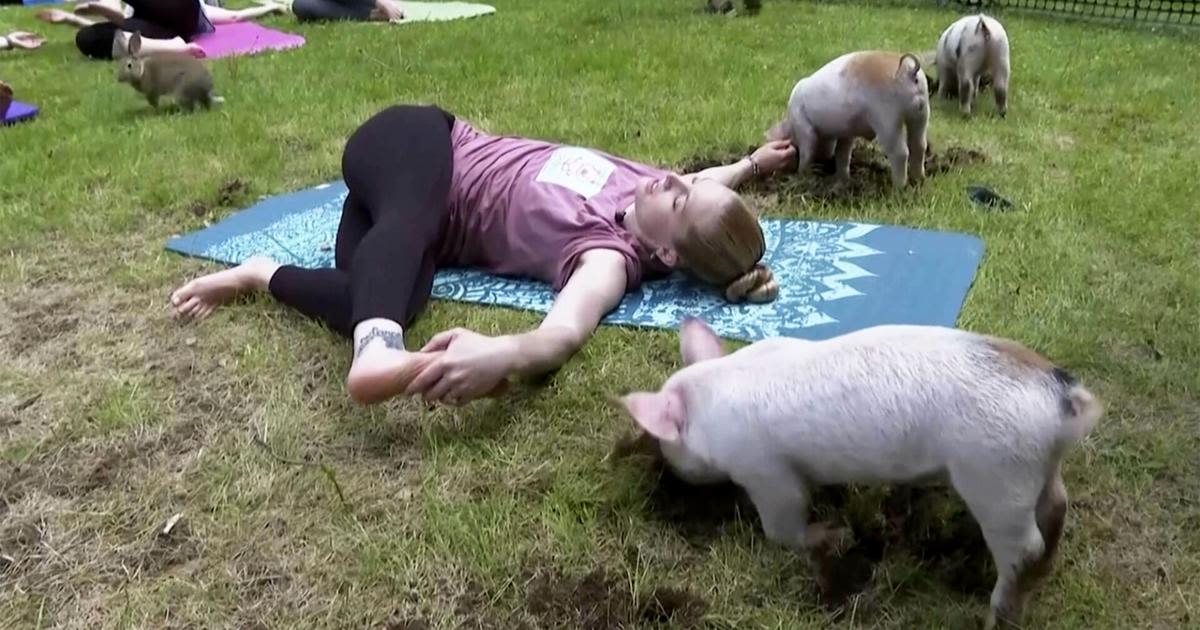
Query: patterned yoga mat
(834, 278)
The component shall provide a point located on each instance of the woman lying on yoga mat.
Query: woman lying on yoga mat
(165, 25)
(427, 190)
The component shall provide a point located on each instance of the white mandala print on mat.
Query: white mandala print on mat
(814, 263)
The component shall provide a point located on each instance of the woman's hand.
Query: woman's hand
(773, 156)
(471, 365)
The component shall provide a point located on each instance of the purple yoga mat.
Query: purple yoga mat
(19, 111)
(245, 38)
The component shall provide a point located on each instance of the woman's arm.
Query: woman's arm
(472, 365)
(595, 288)
(765, 160)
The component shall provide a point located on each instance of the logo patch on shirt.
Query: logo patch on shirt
(577, 169)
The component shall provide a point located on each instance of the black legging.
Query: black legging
(397, 167)
(154, 19)
(315, 10)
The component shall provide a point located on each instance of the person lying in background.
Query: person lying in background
(165, 25)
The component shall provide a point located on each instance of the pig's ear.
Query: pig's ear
(661, 414)
(698, 342)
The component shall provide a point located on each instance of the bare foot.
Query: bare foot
(277, 7)
(381, 373)
(200, 297)
(22, 39)
(6, 97)
(53, 16)
(387, 11)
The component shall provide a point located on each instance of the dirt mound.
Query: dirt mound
(870, 175)
(596, 600)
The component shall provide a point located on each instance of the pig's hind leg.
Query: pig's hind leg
(807, 144)
(915, 130)
(1003, 497)
(1000, 74)
(894, 141)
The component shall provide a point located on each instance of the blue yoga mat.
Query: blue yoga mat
(833, 278)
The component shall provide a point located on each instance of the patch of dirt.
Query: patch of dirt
(596, 600)
(930, 523)
(90, 469)
(40, 316)
(671, 605)
(699, 513)
(407, 624)
(258, 578)
(166, 551)
(231, 191)
(870, 176)
(472, 610)
(19, 537)
(227, 194)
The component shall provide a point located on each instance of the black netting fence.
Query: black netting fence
(1145, 11)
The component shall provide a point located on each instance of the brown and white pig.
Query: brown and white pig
(974, 48)
(888, 404)
(866, 94)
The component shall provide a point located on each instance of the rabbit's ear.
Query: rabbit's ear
(135, 44)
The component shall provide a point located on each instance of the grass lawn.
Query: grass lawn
(300, 509)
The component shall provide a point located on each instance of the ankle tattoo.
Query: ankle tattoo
(391, 338)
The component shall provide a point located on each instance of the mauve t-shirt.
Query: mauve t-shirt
(529, 208)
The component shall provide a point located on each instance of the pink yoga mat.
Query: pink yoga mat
(245, 38)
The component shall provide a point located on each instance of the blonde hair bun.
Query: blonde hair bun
(756, 285)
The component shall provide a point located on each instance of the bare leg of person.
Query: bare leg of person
(387, 11)
(58, 16)
(225, 16)
(198, 298)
